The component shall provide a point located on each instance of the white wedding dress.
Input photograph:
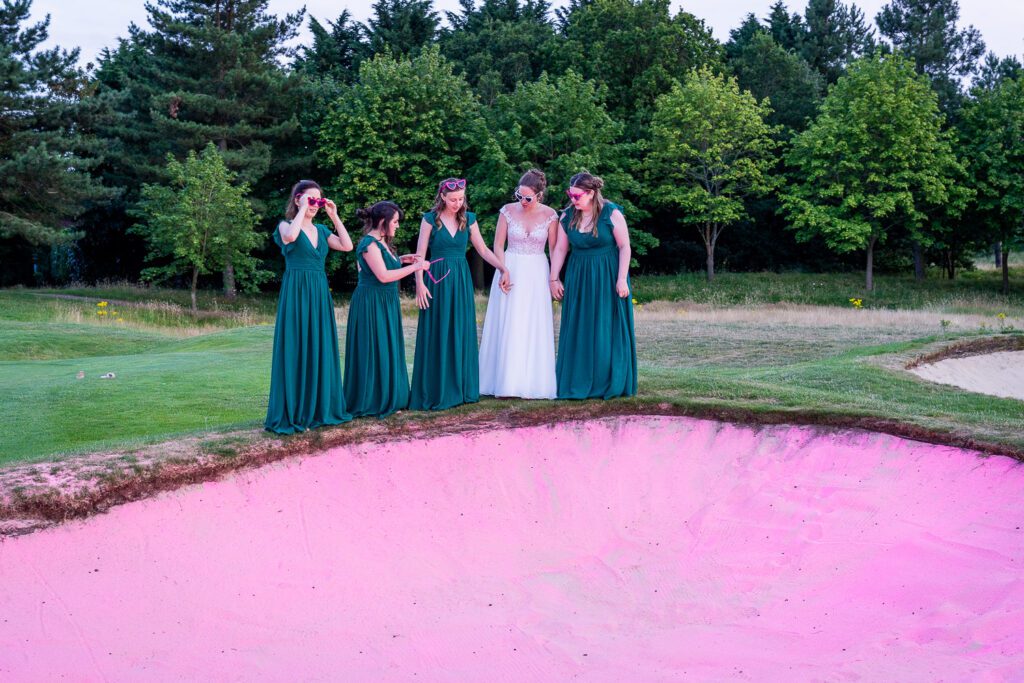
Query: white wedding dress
(517, 350)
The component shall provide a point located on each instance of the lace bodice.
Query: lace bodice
(527, 239)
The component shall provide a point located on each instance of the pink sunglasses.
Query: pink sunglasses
(574, 195)
(433, 279)
(317, 201)
(450, 185)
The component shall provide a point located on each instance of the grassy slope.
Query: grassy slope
(179, 374)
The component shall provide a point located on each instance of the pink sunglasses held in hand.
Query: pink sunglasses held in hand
(433, 279)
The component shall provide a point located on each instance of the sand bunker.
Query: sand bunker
(641, 549)
(997, 374)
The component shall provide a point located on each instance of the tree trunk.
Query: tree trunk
(998, 249)
(229, 279)
(869, 282)
(477, 269)
(709, 245)
(918, 261)
(950, 265)
(1006, 269)
(195, 281)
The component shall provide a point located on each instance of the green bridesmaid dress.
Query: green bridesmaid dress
(446, 368)
(305, 374)
(376, 379)
(596, 342)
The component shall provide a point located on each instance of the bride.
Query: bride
(517, 350)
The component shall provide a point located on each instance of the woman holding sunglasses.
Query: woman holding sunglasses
(517, 349)
(445, 370)
(597, 342)
(376, 379)
(305, 374)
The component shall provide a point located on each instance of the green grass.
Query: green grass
(180, 374)
(972, 292)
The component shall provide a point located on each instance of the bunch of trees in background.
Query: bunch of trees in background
(813, 140)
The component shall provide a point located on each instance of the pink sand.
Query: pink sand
(639, 549)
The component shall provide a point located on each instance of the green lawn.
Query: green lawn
(180, 374)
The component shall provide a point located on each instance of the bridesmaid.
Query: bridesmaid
(597, 343)
(305, 374)
(376, 379)
(446, 369)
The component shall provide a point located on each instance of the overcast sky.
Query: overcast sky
(94, 24)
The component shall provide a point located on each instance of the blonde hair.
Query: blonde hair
(460, 216)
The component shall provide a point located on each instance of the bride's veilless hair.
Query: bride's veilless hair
(378, 216)
(536, 181)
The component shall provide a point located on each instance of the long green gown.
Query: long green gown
(446, 368)
(305, 374)
(596, 342)
(376, 379)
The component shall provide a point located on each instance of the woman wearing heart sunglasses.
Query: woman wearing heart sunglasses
(305, 374)
(376, 379)
(597, 341)
(445, 370)
(517, 349)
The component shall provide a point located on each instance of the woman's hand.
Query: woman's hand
(331, 208)
(505, 283)
(407, 259)
(557, 290)
(303, 204)
(423, 295)
(622, 288)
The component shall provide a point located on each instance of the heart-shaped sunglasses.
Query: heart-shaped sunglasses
(451, 185)
(317, 201)
(433, 279)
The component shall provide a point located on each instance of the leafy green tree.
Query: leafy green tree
(874, 160)
(836, 35)
(561, 125)
(406, 124)
(766, 70)
(993, 136)
(637, 48)
(711, 148)
(500, 43)
(401, 27)
(199, 221)
(927, 32)
(45, 155)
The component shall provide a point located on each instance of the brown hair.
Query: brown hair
(585, 181)
(377, 214)
(535, 180)
(299, 189)
(460, 217)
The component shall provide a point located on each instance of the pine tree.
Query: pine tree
(403, 27)
(500, 43)
(786, 29)
(926, 31)
(45, 158)
(208, 71)
(337, 50)
(837, 34)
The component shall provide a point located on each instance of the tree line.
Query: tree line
(814, 140)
